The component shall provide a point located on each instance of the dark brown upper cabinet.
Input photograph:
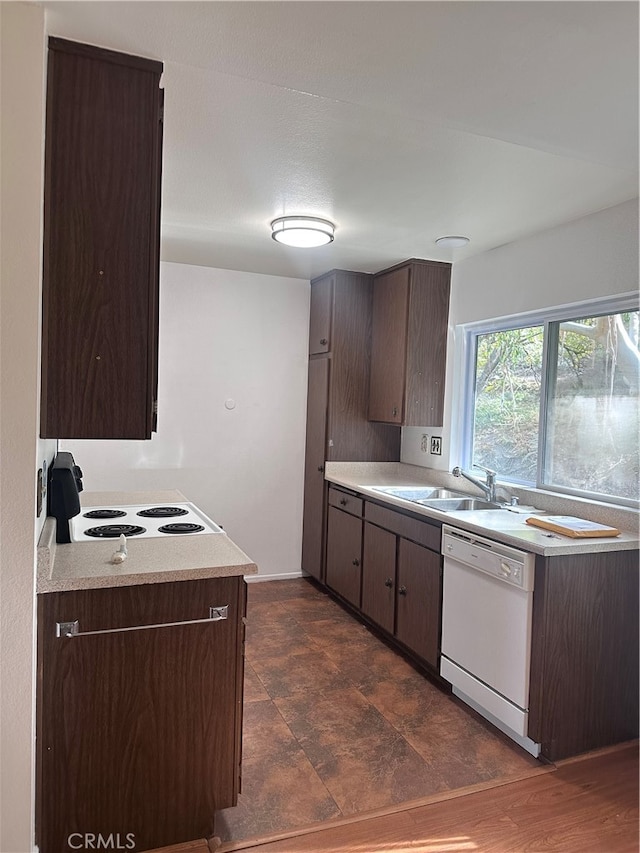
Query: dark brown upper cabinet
(103, 156)
(409, 342)
(320, 315)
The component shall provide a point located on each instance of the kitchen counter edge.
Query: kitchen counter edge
(87, 565)
(499, 524)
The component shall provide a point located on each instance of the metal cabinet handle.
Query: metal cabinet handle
(355, 562)
(343, 501)
(321, 468)
(72, 629)
(394, 411)
(402, 590)
(323, 342)
(388, 582)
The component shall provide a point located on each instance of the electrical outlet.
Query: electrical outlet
(424, 444)
(436, 445)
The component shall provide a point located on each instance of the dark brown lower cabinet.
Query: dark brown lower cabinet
(139, 714)
(344, 554)
(379, 576)
(402, 590)
(584, 677)
(584, 655)
(419, 600)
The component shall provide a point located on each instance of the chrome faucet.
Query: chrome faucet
(489, 488)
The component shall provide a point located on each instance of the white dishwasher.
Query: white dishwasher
(486, 629)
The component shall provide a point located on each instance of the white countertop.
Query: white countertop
(499, 524)
(87, 565)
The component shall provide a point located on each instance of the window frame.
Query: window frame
(466, 337)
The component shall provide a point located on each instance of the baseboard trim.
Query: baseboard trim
(284, 576)
(597, 753)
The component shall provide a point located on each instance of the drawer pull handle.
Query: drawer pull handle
(72, 629)
(388, 582)
(355, 562)
(343, 501)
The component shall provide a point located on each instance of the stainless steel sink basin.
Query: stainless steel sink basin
(453, 505)
(419, 493)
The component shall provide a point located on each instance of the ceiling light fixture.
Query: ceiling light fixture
(452, 242)
(302, 231)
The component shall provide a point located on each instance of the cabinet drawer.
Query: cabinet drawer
(422, 532)
(345, 501)
(140, 605)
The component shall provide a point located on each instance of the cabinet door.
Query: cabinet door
(344, 554)
(351, 435)
(314, 483)
(427, 344)
(389, 346)
(584, 652)
(320, 315)
(419, 600)
(379, 576)
(138, 729)
(100, 264)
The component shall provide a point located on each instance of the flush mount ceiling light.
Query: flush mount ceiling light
(451, 242)
(302, 231)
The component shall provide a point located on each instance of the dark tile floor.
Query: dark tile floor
(336, 722)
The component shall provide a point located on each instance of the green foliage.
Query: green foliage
(592, 419)
(508, 382)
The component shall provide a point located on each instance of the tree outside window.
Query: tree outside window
(556, 404)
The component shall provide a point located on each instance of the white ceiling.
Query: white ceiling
(399, 121)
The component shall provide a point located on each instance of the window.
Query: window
(554, 402)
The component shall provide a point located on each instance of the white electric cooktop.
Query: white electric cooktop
(96, 524)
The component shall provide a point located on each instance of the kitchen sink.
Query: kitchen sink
(419, 493)
(457, 504)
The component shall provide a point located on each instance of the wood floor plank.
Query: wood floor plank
(199, 846)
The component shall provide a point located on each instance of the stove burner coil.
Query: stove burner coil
(104, 513)
(112, 531)
(181, 527)
(162, 512)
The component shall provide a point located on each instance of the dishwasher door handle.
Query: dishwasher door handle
(72, 629)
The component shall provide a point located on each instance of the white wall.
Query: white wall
(21, 453)
(225, 336)
(594, 256)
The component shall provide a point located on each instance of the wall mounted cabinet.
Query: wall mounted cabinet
(409, 342)
(338, 428)
(101, 243)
